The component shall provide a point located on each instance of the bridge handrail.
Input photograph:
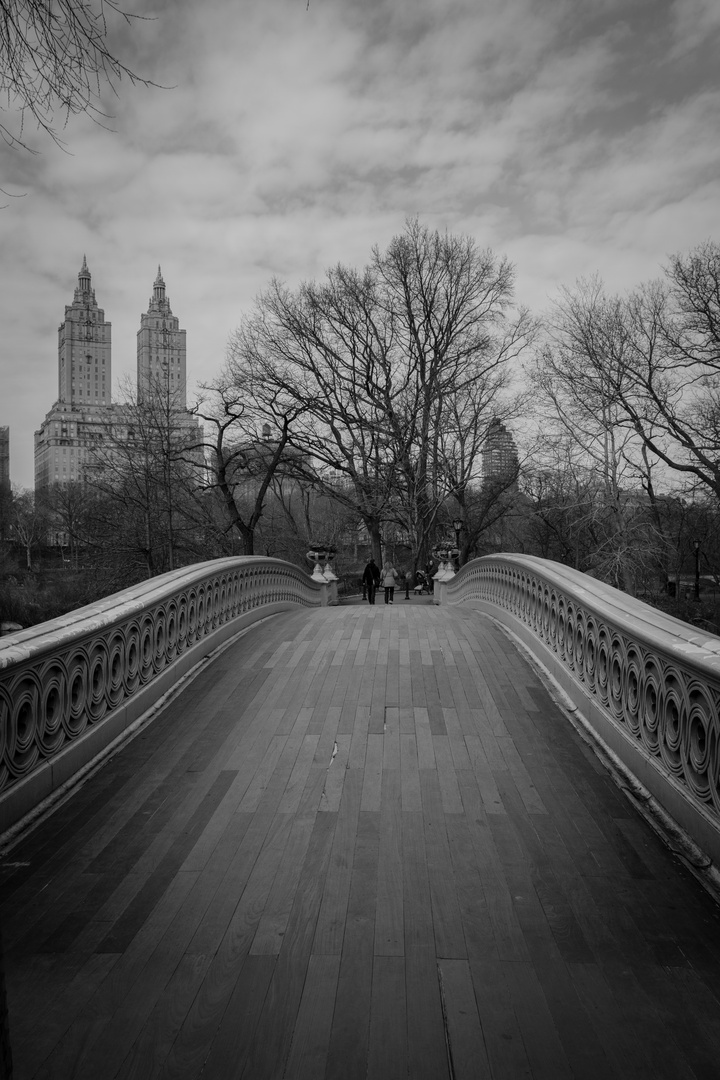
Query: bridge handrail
(66, 678)
(652, 681)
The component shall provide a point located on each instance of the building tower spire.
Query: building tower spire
(62, 444)
(161, 354)
(159, 286)
(84, 278)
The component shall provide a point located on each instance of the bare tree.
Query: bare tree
(28, 523)
(326, 352)
(69, 515)
(582, 376)
(248, 446)
(148, 460)
(55, 61)
(385, 365)
(457, 333)
(672, 397)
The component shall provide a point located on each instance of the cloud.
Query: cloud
(573, 136)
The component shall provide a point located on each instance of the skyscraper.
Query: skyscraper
(499, 453)
(4, 457)
(65, 438)
(161, 352)
(84, 372)
(83, 428)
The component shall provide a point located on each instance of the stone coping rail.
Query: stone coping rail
(71, 687)
(646, 684)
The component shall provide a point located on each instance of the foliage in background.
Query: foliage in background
(357, 412)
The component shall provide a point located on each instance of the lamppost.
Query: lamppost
(696, 545)
(457, 526)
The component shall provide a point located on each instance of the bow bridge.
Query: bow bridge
(250, 832)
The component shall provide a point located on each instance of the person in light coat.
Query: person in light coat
(389, 580)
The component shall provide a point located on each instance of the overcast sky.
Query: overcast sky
(573, 136)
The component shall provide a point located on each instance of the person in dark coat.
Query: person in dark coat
(371, 579)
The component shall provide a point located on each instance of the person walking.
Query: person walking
(409, 582)
(389, 580)
(371, 579)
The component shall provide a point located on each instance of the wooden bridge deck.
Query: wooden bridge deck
(363, 843)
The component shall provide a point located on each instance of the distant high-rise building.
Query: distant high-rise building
(161, 352)
(499, 454)
(83, 428)
(84, 373)
(66, 436)
(4, 457)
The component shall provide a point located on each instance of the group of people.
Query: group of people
(388, 578)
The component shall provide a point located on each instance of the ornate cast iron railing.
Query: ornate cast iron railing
(648, 684)
(70, 686)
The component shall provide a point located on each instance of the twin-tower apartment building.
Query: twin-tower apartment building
(84, 411)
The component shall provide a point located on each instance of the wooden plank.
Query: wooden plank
(466, 1044)
(232, 1039)
(327, 741)
(378, 698)
(389, 931)
(409, 773)
(503, 1038)
(521, 777)
(311, 1035)
(276, 912)
(615, 1030)
(372, 774)
(128, 997)
(271, 1044)
(585, 1052)
(417, 906)
(447, 923)
(300, 771)
(660, 1050)
(689, 1009)
(406, 720)
(472, 903)
(391, 744)
(138, 911)
(256, 788)
(423, 735)
(456, 739)
(387, 1039)
(539, 1034)
(150, 1050)
(228, 955)
(445, 767)
(358, 745)
(34, 1037)
(427, 1044)
(336, 775)
(330, 929)
(347, 1051)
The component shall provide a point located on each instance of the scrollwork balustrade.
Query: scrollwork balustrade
(658, 679)
(61, 678)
